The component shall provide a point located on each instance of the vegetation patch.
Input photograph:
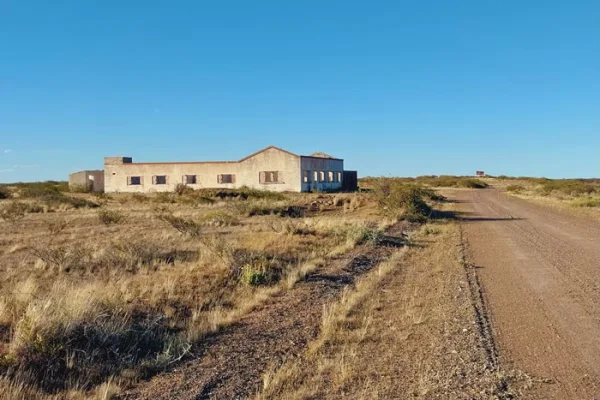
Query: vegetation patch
(5, 193)
(259, 270)
(586, 201)
(184, 225)
(515, 188)
(60, 344)
(13, 212)
(110, 217)
(404, 201)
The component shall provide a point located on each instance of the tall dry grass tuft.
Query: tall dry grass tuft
(79, 336)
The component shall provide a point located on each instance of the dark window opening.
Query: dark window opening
(160, 179)
(226, 178)
(134, 180)
(190, 179)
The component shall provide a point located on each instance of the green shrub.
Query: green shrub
(109, 217)
(258, 271)
(402, 200)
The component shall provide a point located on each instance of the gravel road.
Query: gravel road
(540, 271)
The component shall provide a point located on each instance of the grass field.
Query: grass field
(99, 291)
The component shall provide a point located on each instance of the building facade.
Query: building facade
(271, 168)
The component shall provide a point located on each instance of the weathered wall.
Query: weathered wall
(91, 179)
(271, 160)
(78, 179)
(246, 173)
(315, 164)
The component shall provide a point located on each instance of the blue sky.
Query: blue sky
(393, 87)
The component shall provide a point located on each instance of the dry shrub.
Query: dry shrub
(570, 187)
(13, 212)
(358, 233)
(291, 227)
(5, 193)
(219, 218)
(183, 225)
(109, 217)
(515, 188)
(586, 201)
(63, 258)
(78, 337)
(56, 226)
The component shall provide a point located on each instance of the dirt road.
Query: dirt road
(540, 272)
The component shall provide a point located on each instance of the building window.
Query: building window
(330, 176)
(315, 176)
(338, 176)
(321, 176)
(190, 179)
(306, 176)
(270, 177)
(159, 179)
(226, 178)
(134, 180)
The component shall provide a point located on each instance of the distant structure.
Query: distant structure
(480, 173)
(89, 180)
(271, 168)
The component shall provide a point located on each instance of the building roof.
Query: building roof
(314, 155)
(320, 154)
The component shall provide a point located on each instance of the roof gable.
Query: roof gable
(266, 149)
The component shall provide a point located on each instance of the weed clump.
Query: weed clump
(403, 200)
(80, 342)
(183, 225)
(515, 188)
(4, 193)
(13, 212)
(219, 218)
(110, 217)
(259, 270)
(586, 201)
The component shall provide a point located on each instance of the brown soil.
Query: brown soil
(230, 365)
(540, 273)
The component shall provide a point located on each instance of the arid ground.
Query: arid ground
(540, 270)
(462, 292)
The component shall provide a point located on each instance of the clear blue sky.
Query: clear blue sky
(393, 87)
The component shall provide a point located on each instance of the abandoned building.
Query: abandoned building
(271, 168)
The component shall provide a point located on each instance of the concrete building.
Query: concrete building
(92, 180)
(271, 168)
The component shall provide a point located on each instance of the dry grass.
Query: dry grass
(80, 287)
(404, 328)
(578, 196)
